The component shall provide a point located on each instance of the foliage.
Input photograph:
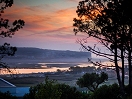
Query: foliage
(7, 30)
(48, 90)
(109, 22)
(107, 92)
(6, 95)
(84, 69)
(68, 92)
(129, 97)
(92, 80)
(53, 90)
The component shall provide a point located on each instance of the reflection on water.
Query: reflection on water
(54, 67)
(26, 71)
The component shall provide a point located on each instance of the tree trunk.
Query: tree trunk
(129, 63)
(117, 67)
(122, 58)
(122, 68)
(130, 72)
(123, 75)
(117, 70)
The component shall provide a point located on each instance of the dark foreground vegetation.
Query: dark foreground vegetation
(7, 95)
(93, 84)
(110, 23)
(51, 89)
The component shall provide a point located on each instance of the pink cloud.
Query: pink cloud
(74, 0)
(42, 20)
(42, 24)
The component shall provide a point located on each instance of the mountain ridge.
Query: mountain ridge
(31, 53)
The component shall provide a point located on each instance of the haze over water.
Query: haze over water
(44, 68)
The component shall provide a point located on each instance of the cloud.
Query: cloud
(48, 21)
(47, 25)
(39, 18)
(54, 31)
(74, 0)
(44, 19)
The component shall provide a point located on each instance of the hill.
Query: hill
(46, 55)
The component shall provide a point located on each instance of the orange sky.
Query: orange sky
(48, 24)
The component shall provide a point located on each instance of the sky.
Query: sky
(48, 24)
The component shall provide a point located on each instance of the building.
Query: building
(16, 91)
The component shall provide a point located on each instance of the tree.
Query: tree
(7, 95)
(47, 90)
(68, 92)
(7, 30)
(92, 80)
(107, 92)
(53, 90)
(109, 22)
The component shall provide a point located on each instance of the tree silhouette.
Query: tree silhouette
(110, 22)
(7, 30)
(51, 89)
(92, 80)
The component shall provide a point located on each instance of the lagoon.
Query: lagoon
(50, 67)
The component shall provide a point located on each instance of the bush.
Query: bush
(107, 92)
(68, 92)
(52, 90)
(7, 95)
(47, 90)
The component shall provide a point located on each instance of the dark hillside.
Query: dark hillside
(25, 53)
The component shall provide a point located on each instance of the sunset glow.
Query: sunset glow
(48, 24)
